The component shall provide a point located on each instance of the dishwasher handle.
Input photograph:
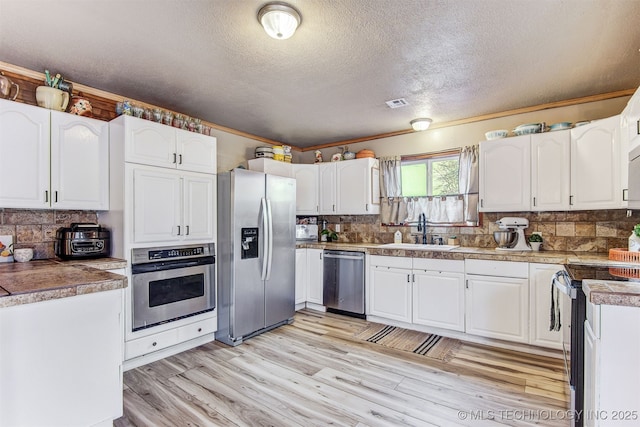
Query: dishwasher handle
(341, 256)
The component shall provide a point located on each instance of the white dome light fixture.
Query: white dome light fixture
(279, 20)
(420, 124)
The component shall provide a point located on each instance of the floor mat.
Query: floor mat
(430, 345)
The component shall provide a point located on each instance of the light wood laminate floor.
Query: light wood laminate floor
(314, 373)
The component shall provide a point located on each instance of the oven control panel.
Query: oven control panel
(148, 255)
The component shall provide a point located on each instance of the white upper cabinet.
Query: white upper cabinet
(550, 171)
(358, 187)
(306, 189)
(579, 169)
(630, 122)
(596, 163)
(155, 144)
(24, 156)
(327, 188)
(272, 167)
(79, 162)
(505, 176)
(350, 187)
(55, 160)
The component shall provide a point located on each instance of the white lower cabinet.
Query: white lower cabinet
(61, 360)
(315, 271)
(611, 368)
(438, 294)
(390, 288)
(540, 276)
(497, 306)
(301, 272)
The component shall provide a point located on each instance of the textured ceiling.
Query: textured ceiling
(449, 59)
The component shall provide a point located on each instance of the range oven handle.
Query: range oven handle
(171, 265)
(562, 282)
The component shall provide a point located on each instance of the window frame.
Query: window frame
(429, 159)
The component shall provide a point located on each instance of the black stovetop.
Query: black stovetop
(578, 273)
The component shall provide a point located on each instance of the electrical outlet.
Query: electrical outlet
(337, 228)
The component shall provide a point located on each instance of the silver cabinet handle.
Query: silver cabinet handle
(366, 207)
(46, 196)
(482, 203)
(534, 201)
(178, 230)
(55, 196)
(174, 158)
(570, 200)
(180, 157)
(408, 278)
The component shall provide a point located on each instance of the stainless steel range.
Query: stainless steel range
(171, 283)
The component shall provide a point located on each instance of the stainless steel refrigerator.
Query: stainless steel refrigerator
(256, 253)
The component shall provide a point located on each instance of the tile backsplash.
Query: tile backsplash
(580, 231)
(37, 228)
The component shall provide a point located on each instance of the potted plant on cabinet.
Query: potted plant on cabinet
(535, 240)
(328, 235)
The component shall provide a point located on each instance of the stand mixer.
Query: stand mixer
(517, 225)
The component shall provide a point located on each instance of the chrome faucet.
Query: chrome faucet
(422, 226)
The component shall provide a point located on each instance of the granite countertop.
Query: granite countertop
(41, 280)
(610, 293)
(462, 253)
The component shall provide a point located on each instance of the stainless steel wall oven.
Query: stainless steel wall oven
(170, 283)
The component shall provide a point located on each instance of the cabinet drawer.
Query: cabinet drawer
(150, 344)
(390, 261)
(497, 268)
(197, 329)
(452, 266)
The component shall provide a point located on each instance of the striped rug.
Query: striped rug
(430, 345)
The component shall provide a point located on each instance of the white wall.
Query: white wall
(234, 150)
(472, 133)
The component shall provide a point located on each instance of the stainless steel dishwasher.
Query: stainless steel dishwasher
(343, 290)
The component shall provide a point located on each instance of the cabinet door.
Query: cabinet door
(595, 165)
(196, 152)
(315, 270)
(438, 299)
(497, 307)
(550, 171)
(354, 189)
(79, 162)
(64, 358)
(24, 156)
(505, 177)
(390, 293)
(301, 275)
(306, 189)
(327, 188)
(157, 205)
(149, 143)
(540, 276)
(199, 207)
(272, 167)
(591, 373)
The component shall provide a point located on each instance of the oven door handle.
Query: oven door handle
(265, 237)
(562, 282)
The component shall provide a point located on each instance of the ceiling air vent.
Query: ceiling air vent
(397, 103)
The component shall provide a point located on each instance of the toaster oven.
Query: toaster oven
(82, 240)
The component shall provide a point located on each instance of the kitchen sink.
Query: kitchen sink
(419, 247)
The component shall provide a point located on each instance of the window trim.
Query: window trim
(420, 158)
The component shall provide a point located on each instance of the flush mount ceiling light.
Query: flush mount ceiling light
(420, 124)
(279, 20)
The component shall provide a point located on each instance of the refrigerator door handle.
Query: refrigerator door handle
(265, 237)
(270, 241)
